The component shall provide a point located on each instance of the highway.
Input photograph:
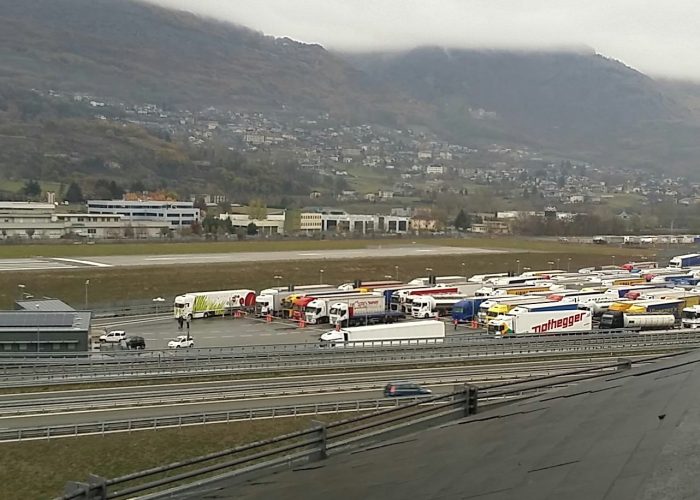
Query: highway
(26, 410)
(377, 251)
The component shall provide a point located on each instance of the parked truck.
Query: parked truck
(495, 306)
(690, 317)
(272, 300)
(402, 300)
(301, 302)
(429, 306)
(467, 309)
(317, 311)
(193, 305)
(362, 312)
(527, 322)
(412, 332)
(688, 260)
(612, 320)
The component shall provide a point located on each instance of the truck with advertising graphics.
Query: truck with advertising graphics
(541, 322)
(299, 302)
(409, 333)
(495, 306)
(661, 306)
(195, 305)
(429, 306)
(688, 260)
(271, 300)
(613, 320)
(317, 311)
(638, 266)
(362, 312)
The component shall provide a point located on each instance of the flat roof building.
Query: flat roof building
(44, 331)
(177, 214)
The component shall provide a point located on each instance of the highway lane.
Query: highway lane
(57, 409)
(377, 251)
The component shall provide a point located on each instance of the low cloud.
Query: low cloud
(658, 38)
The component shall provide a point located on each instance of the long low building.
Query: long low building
(44, 331)
(176, 214)
(28, 220)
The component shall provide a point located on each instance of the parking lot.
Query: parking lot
(229, 331)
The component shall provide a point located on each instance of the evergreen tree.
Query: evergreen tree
(32, 189)
(74, 194)
(462, 220)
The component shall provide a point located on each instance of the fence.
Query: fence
(311, 444)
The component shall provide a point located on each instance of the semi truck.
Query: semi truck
(612, 320)
(660, 306)
(401, 300)
(527, 322)
(193, 305)
(317, 310)
(271, 300)
(428, 306)
(688, 260)
(498, 305)
(516, 290)
(361, 312)
(438, 280)
(690, 317)
(412, 332)
(467, 309)
(299, 303)
(369, 285)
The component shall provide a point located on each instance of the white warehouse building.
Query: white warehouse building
(177, 214)
(341, 221)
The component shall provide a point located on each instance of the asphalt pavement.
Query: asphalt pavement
(45, 264)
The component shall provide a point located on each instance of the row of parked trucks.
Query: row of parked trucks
(636, 295)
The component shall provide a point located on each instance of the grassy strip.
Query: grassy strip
(101, 249)
(40, 469)
(109, 286)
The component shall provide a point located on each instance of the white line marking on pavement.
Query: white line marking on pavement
(38, 268)
(85, 262)
(310, 254)
(184, 257)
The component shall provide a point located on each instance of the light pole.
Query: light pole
(551, 265)
(87, 282)
(20, 291)
(320, 277)
(568, 266)
(558, 265)
(613, 260)
(517, 263)
(156, 301)
(464, 273)
(396, 269)
(278, 278)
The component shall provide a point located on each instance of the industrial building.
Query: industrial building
(176, 214)
(44, 326)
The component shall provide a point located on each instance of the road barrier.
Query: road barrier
(313, 444)
(291, 357)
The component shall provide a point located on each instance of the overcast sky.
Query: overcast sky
(655, 36)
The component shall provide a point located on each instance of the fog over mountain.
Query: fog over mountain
(657, 38)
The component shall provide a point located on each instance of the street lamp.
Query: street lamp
(613, 260)
(464, 270)
(551, 265)
(320, 278)
(558, 265)
(20, 291)
(278, 278)
(396, 269)
(517, 263)
(568, 266)
(87, 282)
(156, 301)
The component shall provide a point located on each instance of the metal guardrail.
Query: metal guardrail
(309, 444)
(154, 423)
(210, 362)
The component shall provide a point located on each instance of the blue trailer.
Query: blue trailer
(466, 310)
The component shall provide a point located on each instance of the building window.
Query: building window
(71, 347)
(92, 231)
(56, 346)
(7, 347)
(22, 346)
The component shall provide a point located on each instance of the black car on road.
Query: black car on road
(135, 342)
(396, 389)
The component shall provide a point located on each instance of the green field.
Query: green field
(112, 285)
(40, 469)
(16, 251)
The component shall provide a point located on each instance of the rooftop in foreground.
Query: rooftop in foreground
(634, 435)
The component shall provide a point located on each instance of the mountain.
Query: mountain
(569, 101)
(578, 104)
(137, 51)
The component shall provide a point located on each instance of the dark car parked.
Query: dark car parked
(396, 389)
(135, 342)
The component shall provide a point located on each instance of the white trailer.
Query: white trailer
(541, 322)
(193, 305)
(409, 333)
(690, 317)
(318, 310)
(428, 306)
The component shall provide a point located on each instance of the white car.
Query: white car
(113, 336)
(181, 341)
